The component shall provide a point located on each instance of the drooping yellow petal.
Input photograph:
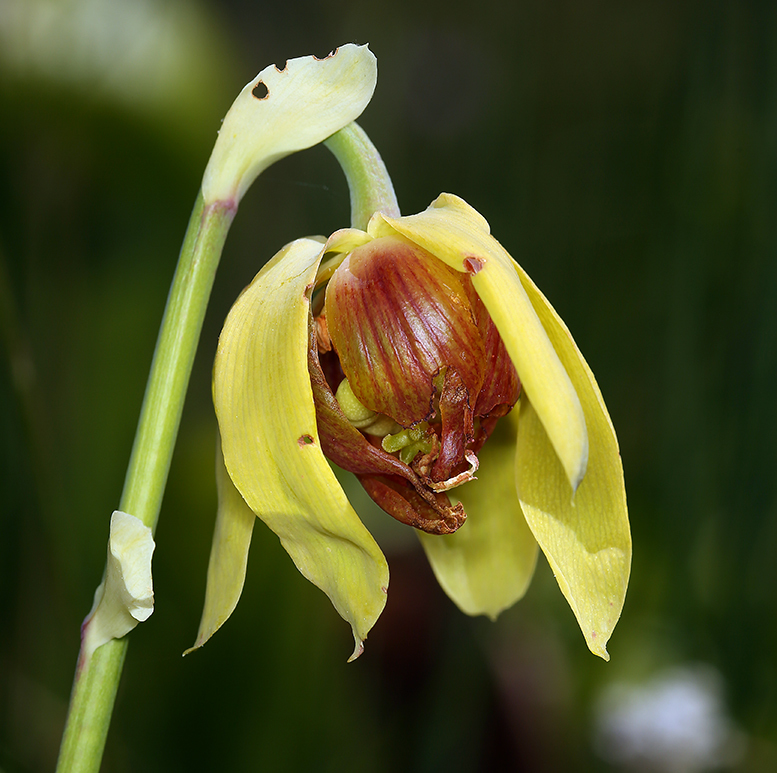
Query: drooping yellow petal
(587, 541)
(458, 235)
(486, 566)
(228, 555)
(294, 108)
(267, 420)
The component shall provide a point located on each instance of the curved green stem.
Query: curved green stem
(368, 179)
(173, 358)
(97, 677)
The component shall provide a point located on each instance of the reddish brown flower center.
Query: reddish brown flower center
(420, 355)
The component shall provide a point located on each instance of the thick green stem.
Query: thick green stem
(97, 677)
(368, 179)
(160, 415)
(91, 706)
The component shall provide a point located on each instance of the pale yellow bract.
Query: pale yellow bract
(125, 597)
(284, 110)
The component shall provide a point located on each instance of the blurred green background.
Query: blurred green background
(624, 152)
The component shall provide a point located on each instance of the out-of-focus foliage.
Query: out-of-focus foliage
(623, 152)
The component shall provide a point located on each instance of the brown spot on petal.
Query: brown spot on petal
(305, 440)
(473, 265)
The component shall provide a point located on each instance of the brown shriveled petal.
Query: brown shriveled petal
(397, 315)
(400, 500)
(396, 488)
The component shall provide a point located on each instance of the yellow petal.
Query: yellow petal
(264, 405)
(458, 235)
(228, 555)
(294, 108)
(486, 566)
(587, 541)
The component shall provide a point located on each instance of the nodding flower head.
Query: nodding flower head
(419, 356)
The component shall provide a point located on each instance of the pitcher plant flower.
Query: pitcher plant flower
(412, 352)
(418, 355)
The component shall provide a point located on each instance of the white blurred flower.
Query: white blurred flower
(676, 722)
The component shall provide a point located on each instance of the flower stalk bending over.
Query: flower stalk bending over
(416, 353)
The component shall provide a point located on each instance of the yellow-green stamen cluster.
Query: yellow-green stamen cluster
(409, 442)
